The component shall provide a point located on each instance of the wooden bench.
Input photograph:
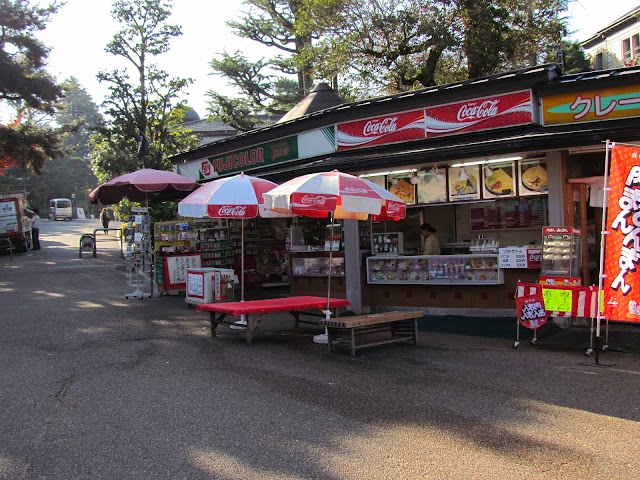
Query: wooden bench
(403, 327)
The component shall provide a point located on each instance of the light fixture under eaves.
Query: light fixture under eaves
(394, 172)
(483, 162)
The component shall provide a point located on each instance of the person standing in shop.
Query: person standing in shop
(431, 244)
(35, 229)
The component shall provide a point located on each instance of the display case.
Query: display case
(215, 247)
(317, 266)
(435, 269)
(390, 243)
(561, 256)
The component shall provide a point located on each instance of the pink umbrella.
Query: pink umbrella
(237, 197)
(143, 185)
(336, 195)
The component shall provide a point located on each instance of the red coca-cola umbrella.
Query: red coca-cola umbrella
(335, 195)
(143, 185)
(236, 197)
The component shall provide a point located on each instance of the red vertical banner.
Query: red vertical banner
(621, 285)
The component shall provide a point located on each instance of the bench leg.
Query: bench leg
(352, 347)
(296, 316)
(252, 323)
(215, 321)
(415, 331)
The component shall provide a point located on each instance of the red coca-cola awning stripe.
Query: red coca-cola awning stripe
(398, 127)
(479, 114)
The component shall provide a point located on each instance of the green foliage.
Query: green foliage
(26, 87)
(143, 115)
(575, 58)
(289, 27)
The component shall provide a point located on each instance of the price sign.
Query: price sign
(512, 257)
(556, 300)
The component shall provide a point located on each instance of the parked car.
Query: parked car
(60, 208)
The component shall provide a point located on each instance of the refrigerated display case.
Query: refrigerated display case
(473, 269)
(561, 256)
(209, 284)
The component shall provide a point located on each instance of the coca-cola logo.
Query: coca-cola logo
(473, 111)
(232, 211)
(380, 126)
(355, 190)
(393, 207)
(535, 257)
(314, 200)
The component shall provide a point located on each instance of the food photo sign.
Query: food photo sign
(464, 183)
(498, 180)
(532, 177)
(403, 188)
(432, 185)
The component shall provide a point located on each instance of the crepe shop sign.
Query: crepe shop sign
(396, 127)
(531, 311)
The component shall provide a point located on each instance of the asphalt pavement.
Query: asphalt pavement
(97, 386)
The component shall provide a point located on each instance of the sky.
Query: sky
(81, 29)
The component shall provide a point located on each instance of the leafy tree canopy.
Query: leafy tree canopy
(143, 111)
(27, 89)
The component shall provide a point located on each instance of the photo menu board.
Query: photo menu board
(508, 214)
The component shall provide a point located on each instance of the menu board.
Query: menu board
(175, 270)
(498, 180)
(508, 214)
(464, 183)
(532, 177)
(432, 185)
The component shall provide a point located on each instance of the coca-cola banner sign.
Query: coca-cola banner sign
(397, 127)
(310, 202)
(480, 114)
(622, 242)
(232, 211)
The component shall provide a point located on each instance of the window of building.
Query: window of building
(598, 63)
(631, 47)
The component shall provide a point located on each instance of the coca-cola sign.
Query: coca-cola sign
(379, 126)
(313, 200)
(534, 258)
(357, 190)
(395, 127)
(480, 114)
(232, 211)
(475, 111)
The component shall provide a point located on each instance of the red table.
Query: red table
(254, 309)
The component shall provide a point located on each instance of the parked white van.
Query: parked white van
(60, 208)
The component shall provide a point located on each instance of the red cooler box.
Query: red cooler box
(208, 285)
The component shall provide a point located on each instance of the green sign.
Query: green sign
(556, 300)
(260, 155)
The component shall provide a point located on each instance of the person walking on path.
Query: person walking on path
(35, 229)
(105, 218)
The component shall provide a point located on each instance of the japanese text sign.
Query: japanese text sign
(589, 106)
(531, 310)
(622, 244)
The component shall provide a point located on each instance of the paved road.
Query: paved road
(94, 386)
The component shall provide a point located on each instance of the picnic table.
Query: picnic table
(256, 309)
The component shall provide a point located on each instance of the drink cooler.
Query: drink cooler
(209, 285)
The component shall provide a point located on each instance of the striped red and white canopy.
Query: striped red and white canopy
(344, 196)
(239, 197)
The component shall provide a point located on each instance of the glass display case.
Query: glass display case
(561, 255)
(390, 243)
(435, 269)
(317, 266)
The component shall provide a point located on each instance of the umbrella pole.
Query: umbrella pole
(242, 261)
(324, 337)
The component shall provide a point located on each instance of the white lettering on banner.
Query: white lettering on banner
(232, 210)
(393, 207)
(377, 127)
(628, 222)
(533, 311)
(488, 108)
(355, 190)
(314, 200)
